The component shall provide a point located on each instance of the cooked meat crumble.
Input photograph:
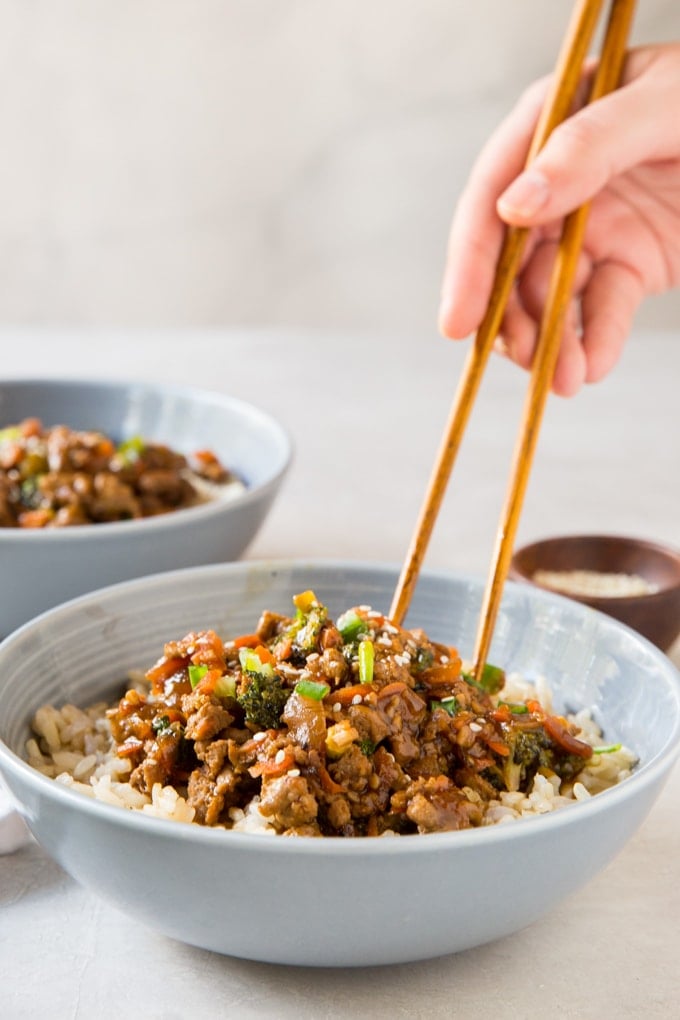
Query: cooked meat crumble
(60, 477)
(349, 728)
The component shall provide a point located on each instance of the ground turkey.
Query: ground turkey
(288, 802)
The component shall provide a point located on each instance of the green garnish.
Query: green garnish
(450, 705)
(10, 434)
(226, 687)
(367, 747)
(516, 709)
(252, 664)
(160, 724)
(491, 681)
(131, 449)
(351, 626)
(424, 659)
(196, 674)
(607, 748)
(366, 659)
(316, 690)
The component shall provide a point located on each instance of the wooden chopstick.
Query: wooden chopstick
(556, 107)
(605, 80)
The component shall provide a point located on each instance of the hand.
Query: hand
(621, 153)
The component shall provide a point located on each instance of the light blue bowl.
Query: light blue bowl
(42, 568)
(335, 902)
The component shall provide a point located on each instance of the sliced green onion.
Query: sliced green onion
(131, 449)
(366, 659)
(450, 705)
(226, 687)
(252, 663)
(607, 748)
(10, 434)
(491, 680)
(515, 708)
(196, 674)
(351, 626)
(314, 689)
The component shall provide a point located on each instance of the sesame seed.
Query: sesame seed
(444, 658)
(366, 609)
(374, 614)
(475, 727)
(259, 737)
(312, 657)
(293, 772)
(357, 699)
(280, 755)
(337, 706)
(390, 628)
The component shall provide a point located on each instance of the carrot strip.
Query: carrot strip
(327, 782)
(272, 768)
(345, 695)
(246, 641)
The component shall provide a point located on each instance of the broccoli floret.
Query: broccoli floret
(532, 750)
(263, 701)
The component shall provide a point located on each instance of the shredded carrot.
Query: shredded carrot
(31, 427)
(207, 684)
(246, 641)
(499, 748)
(129, 748)
(272, 768)
(327, 782)
(164, 669)
(502, 714)
(344, 695)
(283, 648)
(35, 518)
(264, 655)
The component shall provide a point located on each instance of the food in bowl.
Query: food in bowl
(49, 565)
(346, 902)
(60, 477)
(315, 727)
(593, 583)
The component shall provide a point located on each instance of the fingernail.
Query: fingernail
(526, 195)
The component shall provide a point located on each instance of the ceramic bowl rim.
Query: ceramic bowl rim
(665, 550)
(279, 443)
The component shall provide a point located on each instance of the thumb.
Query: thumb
(583, 154)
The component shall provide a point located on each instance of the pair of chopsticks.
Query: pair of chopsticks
(557, 107)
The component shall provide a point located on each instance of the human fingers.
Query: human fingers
(634, 124)
(608, 305)
(476, 231)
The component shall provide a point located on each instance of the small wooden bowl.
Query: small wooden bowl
(656, 614)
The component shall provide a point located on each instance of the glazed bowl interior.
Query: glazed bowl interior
(654, 613)
(47, 566)
(389, 900)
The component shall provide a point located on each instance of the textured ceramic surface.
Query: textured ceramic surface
(336, 902)
(656, 615)
(41, 569)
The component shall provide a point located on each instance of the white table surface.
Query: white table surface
(366, 414)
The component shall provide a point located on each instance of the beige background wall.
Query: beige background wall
(179, 162)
